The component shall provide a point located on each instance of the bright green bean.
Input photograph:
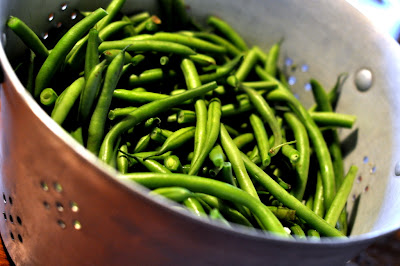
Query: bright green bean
(261, 136)
(134, 97)
(48, 97)
(194, 206)
(122, 161)
(120, 112)
(177, 194)
(332, 119)
(228, 31)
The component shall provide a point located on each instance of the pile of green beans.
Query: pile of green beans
(196, 115)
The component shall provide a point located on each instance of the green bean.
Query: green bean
(313, 233)
(63, 46)
(272, 59)
(177, 139)
(140, 37)
(303, 146)
(192, 42)
(194, 206)
(233, 154)
(317, 140)
(99, 116)
(149, 76)
(30, 39)
(89, 92)
(264, 75)
(267, 86)
(192, 80)
(177, 194)
(120, 112)
(249, 60)
(128, 30)
(227, 174)
(283, 213)
(318, 206)
(288, 200)
(152, 122)
(66, 100)
(212, 133)
(142, 143)
(137, 18)
(173, 163)
(202, 59)
(145, 155)
(157, 136)
(186, 116)
(221, 71)
(217, 216)
(212, 187)
(217, 156)
(232, 109)
(137, 97)
(77, 134)
(291, 153)
(332, 119)
(242, 140)
(137, 59)
(261, 136)
(112, 9)
(230, 48)
(144, 24)
(109, 55)
(164, 60)
(267, 115)
(48, 97)
(92, 53)
(338, 203)
(153, 165)
(227, 31)
(147, 46)
(298, 231)
(122, 161)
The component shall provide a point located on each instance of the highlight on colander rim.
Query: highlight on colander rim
(220, 132)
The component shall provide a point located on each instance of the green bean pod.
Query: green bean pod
(66, 100)
(122, 161)
(134, 97)
(228, 31)
(318, 205)
(48, 97)
(272, 59)
(63, 46)
(92, 53)
(31, 40)
(177, 194)
(173, 163)
(222, 71)
(261, 136)
(98, 119)
(233, 154)
(142, 143)
(150, 76)
(120, 112)
(111, 29)
(212, 187)
(194, 206)
(112, 9)
(332, 119)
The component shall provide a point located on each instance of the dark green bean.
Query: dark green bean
(48, 97)
(338, 203)
(227, 31)
(318, 206)
(147, 46)
(30, 81)
(249, 60)
(233, 154)
(98, 119)
(128, 30)
(134, 97)
(267, 115)
(112, 9)
(261, 136)
(177, 139)
(272, 59)
(31, 40)
(153, 165)
(215, 188)
(63, 46)
(321, 149)
(92, 53)
(266, 86)
(288, 200)
(122, 161)
(149, 76)
(221, 71)
(89, 92)
(232, 109)
(332, 119)
(120, 112)
(66, 100)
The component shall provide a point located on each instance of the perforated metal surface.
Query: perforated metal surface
(67, 208)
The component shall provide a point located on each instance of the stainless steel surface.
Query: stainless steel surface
(67, 208)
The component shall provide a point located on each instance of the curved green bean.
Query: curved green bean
(228, 31)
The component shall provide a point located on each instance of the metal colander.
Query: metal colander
(62, 206)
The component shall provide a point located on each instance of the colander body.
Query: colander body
(63, 206)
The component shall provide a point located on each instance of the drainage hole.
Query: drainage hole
(46, 204)
(10, 200)
(58, 187)
(5, 216)
(4, 198)
(61, 224)
(44, 186)
(20, 238)
(19, 221)
(12, 235)
(11, 218)
(60, 207)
